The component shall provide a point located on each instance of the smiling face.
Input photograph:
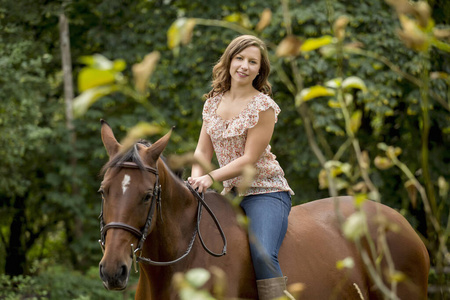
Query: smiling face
(244, 66)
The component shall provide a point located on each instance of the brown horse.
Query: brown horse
(138, 187)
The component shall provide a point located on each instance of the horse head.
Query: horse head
(130, 190)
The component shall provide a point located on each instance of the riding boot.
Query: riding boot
(272, 288)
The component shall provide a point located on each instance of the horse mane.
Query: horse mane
(132, 155)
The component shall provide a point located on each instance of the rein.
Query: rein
(136, 253)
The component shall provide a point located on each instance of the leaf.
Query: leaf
(411, 35)
(359, 199)
(143, 70)
(234, 18)
(347, 263)
(314, 92)
(119, 65)
(339, 27)
(240, 18)
(197, 277)
(316, 43)
(393, 152)
(355, 121)
(188, 31)
(97, 61)
(289, 46)
(89, 97)
(92, 77)
(354, 82)
(266, 17)
(397, 276)
(354, 227)
(180, 32)
(440, 45)
(412, 192)
(334, 104)
(338, 167)
(443, 187)
(334, 83)
(383, 163)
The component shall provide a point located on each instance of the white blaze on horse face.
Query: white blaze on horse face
(125, 183)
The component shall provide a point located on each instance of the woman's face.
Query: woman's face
(245, 66)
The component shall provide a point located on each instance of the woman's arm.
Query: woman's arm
(203, 152)
(258, 137)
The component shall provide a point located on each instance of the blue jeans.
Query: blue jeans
(268, 214)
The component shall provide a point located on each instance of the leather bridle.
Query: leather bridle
(136, 253)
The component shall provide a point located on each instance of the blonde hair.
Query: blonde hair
(221, 72)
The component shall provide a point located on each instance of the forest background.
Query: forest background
(398, 96)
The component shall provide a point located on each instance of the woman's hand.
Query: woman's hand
(202, 182)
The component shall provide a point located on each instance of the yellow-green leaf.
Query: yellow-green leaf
(180, 32)
(334, 104)
(197, 277)
(383, 163)
(359, 199)
(89, 97)
(315, 92)
(347, 263)
(174, 33)
(397, 276)
(443, 187)
(354, 227)
(119, 65)
(355, 121)
(91, 77)
(97, 61)
(316, 43)
(354, 82)
(334, 83)
(240, 18)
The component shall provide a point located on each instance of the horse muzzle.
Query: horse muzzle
(115, 279)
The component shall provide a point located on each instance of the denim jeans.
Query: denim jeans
(268, 214)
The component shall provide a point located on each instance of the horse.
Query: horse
(149, 215)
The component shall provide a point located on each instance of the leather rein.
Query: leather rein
(136, 253)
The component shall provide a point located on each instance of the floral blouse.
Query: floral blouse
(229, 136)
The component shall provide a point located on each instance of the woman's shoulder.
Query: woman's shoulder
(263, 102)
(211, 103)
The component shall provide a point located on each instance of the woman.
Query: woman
(238, 121)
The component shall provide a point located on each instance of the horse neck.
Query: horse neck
(176, 199)
(175, 219)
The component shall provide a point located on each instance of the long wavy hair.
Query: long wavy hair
(221, 78)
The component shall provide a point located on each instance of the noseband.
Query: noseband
(142, 234)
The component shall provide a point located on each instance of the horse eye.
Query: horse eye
(147, 197)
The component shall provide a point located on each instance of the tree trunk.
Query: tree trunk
(75, 231)
(16, 260)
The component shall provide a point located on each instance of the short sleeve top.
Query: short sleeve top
(229, 136)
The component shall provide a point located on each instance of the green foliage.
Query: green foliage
(60, 222)
(59, 283)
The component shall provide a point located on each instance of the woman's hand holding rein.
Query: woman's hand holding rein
(201, 183)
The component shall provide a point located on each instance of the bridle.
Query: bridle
(136, 253)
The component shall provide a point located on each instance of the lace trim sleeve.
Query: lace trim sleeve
(250, 116)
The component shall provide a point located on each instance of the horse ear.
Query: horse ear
(109, 141)
(155, 150)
